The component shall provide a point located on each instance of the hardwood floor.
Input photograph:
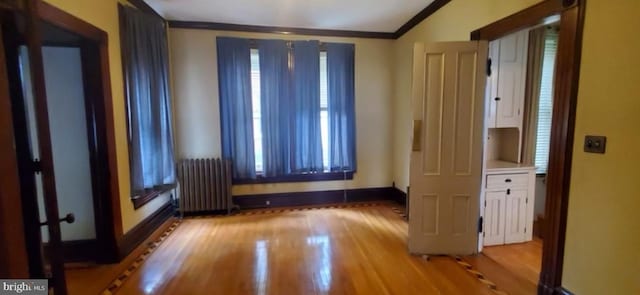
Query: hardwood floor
(514, 268)
(523, 259)
(359, 250)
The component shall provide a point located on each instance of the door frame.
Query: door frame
(99, 108)
(566, 79)
(13, 253)
(101, 131)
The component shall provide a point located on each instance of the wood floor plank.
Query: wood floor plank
(358, 250)
(523, 259)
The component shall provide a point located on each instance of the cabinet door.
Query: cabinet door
(516, 216)
(494, 218)
(512, 68)
(491, 91)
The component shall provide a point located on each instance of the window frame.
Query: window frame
(326, 175)
(138, 197)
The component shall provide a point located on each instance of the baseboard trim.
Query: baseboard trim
(563, 291)
(399, 196)
(143, 230)
(314, 198)
(77, 250)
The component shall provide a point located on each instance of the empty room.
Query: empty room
(319, 147)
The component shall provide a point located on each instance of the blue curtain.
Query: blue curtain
(306, 150)
(275, 105)
(236, 115)
(145, 63)
(341, 106)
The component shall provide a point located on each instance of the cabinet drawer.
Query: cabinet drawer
(501, 181)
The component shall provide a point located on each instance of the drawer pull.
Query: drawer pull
(507, 180)
(508, 191)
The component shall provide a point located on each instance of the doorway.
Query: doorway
(519, 96)
(504, 181)
(59, 92)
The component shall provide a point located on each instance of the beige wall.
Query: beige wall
(195, 87)
(453, 22)
(603, 230)
(104, 15)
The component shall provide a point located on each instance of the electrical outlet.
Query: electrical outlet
(268, 203)
(595, 144)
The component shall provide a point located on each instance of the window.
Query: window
(545, 107)
(145, 56)
(255, 101)
(324, 110)
(299, 100)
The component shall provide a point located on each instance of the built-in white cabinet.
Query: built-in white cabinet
(508, 206)
(506, 84)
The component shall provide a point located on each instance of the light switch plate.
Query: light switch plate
(595, 144)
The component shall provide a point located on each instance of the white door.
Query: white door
(511, 73)
(446, 161)
(494, 218)
(516, 216)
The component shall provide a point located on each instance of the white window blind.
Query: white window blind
(546, 101)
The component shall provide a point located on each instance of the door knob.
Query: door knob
(70, 218)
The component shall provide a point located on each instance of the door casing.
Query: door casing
(566, 80)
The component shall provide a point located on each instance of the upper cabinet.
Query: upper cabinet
(506, 84)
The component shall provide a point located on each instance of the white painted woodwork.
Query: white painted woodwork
(494, 218)
(446, 163)
(507, 81)
(516, 216)
(509, 198)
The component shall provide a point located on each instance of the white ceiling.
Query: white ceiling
(354, 15)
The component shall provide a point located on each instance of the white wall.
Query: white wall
(197, 116)
(67, 123)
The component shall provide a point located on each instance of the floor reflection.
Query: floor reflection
(261, 267)
(321, 266)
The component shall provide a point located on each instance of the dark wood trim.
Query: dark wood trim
(144, 229)
(421, 16)
(309, 177)
(313, 198)
(143, 6)
(28, 196)
(562, 291)
(146, 197)
(99, 108)
(34, 47)
(67, 21)
(415, 20)
(79, 250)
(567, 77)
(107, 213)
(277, 30)
(529, 17)
(566, 82)
(399, 196)
(13, 253)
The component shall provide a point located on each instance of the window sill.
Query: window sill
(148, 195)
(309, 177)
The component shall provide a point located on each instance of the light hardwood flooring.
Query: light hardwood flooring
(523, 259)
(360, 250)
(515, 268)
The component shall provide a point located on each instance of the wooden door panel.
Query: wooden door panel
(494, 218)
(516, 216)
(445, 170)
